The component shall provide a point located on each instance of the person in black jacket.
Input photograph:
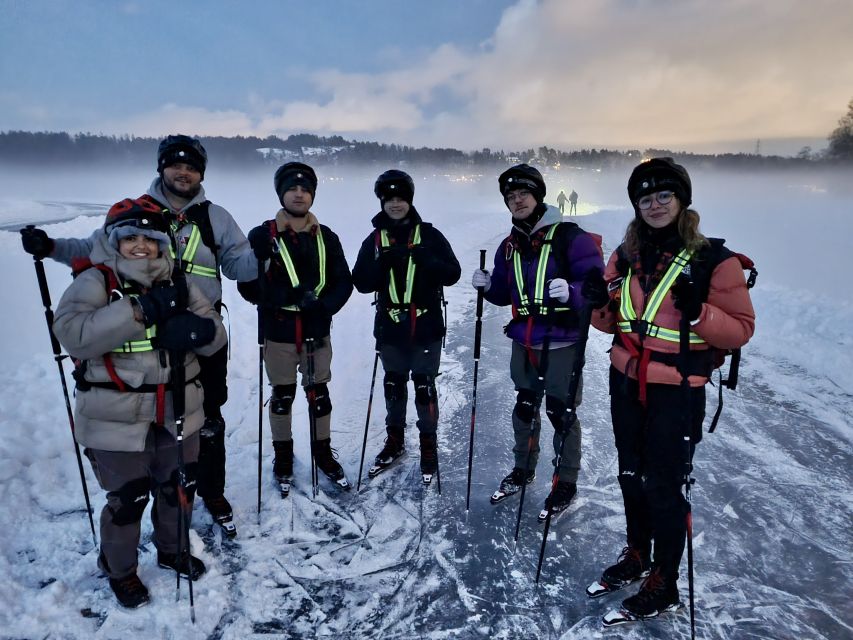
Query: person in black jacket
(306, 281)
(406, 262)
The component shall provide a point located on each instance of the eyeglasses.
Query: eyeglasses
(517, 194)
(663, 197)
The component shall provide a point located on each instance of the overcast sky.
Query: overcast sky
(705, 75)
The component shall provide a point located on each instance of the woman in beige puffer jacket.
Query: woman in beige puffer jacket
(123, 319)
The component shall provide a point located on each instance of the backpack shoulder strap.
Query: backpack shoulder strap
(199, 215)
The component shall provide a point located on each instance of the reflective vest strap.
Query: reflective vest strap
(138, 346)
(539, 285)
(675, 268)
(404, 306)
(284, 253)
(626, 306)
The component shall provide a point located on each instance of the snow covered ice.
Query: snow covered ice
(773, 500)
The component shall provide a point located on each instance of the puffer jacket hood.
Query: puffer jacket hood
(143, 272)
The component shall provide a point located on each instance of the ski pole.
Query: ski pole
(568, 419)
(260, 380)
(58, 357)
(367, 419)
(478, 332)
(684, 353)
(533, 440)
(312, 416)
(178, 402)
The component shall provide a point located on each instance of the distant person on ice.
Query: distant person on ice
(306, 281)
(209, 245)
(664, 272)
(406, 262)
(539, 270)
(573, 199)
(562, 200)
(124, 319)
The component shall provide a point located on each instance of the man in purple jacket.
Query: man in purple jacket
(539, 269)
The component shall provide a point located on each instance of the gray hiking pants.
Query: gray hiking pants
(525, 416)
(422, 361)
(129, 478)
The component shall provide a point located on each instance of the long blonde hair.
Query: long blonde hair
(688, 230)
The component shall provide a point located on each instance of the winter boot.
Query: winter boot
(429, 456)
(325, 456)
(512, 484)
(658, 594)
(130, 592)
(219, 508)
(282, 464)
(631, 565)
(559, 499)
(186, 561)
(395, 446)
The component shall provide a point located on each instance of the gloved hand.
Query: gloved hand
(309, 301)
(261, 243)
(594, 289)
(36, 242)
(393, 256)
(185, 332)
(685, 297)
(481, 278)
(161, 302)
(423, 257)
(558, 289)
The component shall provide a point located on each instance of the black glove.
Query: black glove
(594, 289)
(161, 303)
(423, 257)
(393, 256)
(685, 297)
(36, 242)
(261, 242)
(308, 301)
(185, 332)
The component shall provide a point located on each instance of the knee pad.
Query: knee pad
(133, 498)
(526, 406)
(395, 386)
(282, 399)
(170, 488)
(555, 409)
(425, 392)
(319, 395)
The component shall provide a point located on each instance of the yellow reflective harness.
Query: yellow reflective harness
(188, 254)
(284, 254)
(645, 326)
(525, 308)
(398, 312)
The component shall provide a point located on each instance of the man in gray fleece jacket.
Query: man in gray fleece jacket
(208, 244)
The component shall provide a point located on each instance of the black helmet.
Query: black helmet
(660, 174)
(180, 148)
(522, 176)
(291, 174)
(395, 183)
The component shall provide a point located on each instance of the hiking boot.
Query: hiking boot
(219, 508)
(658, 594)
(171, 561)
(325, 456)
(282, 464)
(561, 496)
(429, 453)
(512, 483)
(130, 592)
(631, 565)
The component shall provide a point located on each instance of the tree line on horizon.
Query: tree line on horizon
(61, 148)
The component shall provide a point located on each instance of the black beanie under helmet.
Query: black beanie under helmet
(522, 176)
(292, 174)
(660, 174)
